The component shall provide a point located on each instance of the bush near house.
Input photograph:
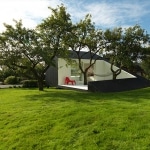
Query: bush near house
(30, 83)
(12, 80)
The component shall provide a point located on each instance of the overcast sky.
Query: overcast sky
(105, 13)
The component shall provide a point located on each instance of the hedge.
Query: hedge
(29, 83)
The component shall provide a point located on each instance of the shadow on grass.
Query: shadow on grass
(61, 95)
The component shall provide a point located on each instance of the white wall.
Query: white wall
(104, 72)
(63, 71)
(101, 68)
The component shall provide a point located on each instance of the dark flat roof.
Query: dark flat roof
(85, 55)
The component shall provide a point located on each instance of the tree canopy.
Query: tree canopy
(34, 50)
(124, 47)
(85, 37)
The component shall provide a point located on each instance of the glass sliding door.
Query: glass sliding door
(76, 73)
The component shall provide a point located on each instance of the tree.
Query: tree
(5, 72)
(84, 36)
(145, 64)
(34, 50)
(113, 50)
(124, 47)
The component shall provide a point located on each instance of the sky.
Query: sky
(105, 13)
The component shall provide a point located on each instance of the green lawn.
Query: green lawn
(57, 119)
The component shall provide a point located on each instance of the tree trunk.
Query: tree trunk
(85, 78)
(115, 72)
(114, 75)
(40, 84)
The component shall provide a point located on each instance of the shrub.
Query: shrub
(29, 83)
(12, 80)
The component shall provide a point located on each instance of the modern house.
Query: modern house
(100, 71)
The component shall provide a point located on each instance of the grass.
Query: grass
(57, 119)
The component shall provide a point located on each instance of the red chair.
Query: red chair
(68, 80)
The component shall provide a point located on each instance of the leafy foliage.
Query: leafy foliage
(124, 47)
(12, 80)
(34, 50)
(29, 83)
(85, 37)
(146, 63)
(30, 52)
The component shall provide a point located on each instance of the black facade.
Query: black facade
(118, 85)
(51, 76)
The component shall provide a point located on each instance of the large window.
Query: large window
(75, 71)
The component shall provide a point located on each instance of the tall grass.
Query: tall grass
(57, 119)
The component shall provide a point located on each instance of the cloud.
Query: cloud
(30, 11)
(112, 13)
(105, 13)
